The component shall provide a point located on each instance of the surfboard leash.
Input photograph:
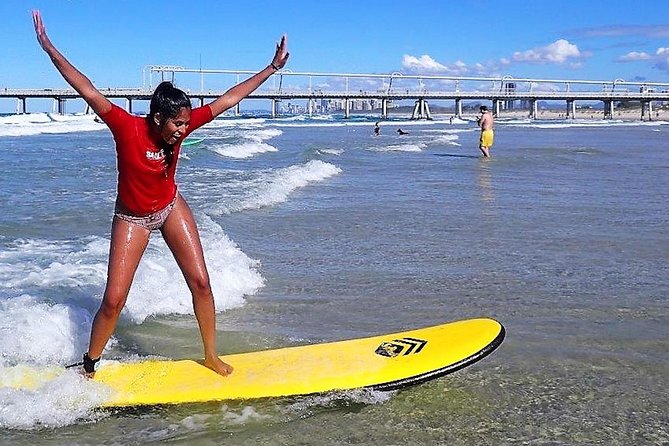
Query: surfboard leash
(87, 362)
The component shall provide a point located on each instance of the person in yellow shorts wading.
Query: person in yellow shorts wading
(487, 133)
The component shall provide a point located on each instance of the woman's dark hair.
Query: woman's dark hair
(167, 100)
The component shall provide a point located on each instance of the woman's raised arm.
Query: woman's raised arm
(98, 102)
(245, 88)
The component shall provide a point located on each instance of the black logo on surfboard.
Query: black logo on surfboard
(404, 346)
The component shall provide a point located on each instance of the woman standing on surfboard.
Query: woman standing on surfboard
(147, 152)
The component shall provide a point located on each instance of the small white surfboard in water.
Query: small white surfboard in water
(191, 141)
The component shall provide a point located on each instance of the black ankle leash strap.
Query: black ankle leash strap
(88, 363)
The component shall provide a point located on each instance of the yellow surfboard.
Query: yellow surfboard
(384, 362)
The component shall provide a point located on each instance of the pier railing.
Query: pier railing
(378, 91)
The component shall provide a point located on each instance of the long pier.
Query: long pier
(380, 91)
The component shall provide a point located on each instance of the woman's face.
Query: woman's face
(171, 129)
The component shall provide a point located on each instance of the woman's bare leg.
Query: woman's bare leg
(128, 243)
(181, 235)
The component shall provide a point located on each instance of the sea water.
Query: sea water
(316, 230)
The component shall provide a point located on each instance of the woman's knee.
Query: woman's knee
(112, 306)
(200, 285)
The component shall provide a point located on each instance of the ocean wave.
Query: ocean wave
(247, 142)
(40, 332)
(38, 325)
(409, 147)
(39, 123)
(234, 121)
(241, 150)
(271, 187)
(57, 398)
(159, 288)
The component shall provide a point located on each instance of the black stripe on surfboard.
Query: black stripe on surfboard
(410, 381)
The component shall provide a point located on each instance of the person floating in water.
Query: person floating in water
(485, 121)
(402, 132)
(377, 129)
(148, 199)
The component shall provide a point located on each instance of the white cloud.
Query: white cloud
(427, 65)
(422, 64)
(634, 56)
(662, 59)
(557, 52)
(459, 67)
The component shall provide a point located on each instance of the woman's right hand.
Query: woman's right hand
(74, 77)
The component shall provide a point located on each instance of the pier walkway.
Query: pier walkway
(343, 91)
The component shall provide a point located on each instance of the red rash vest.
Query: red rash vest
(145, 184)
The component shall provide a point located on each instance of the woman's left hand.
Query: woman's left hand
(281, 54)
(40, 31)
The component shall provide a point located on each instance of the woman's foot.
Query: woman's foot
(218, 366)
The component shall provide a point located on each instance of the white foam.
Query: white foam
(336, 152)
(306, 404)
(41, 263)
(196, 422)
(35, 331)
(36, 327)
(233, 122)
(159, 287)
(56, 398)
(38, 123)
(298, 118)
(409, 147)
(449, 138)
(36, 324)
(248, 142)
(458, 121)
(249, 132)
(275, 186)
(24, 119)
(241, 151)
(247, 415)
(453, 131)
(263, 134)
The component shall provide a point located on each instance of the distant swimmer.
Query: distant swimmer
(377, 129)
(487, 134)
(402, 132)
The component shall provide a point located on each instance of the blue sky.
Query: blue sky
(111, 41)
